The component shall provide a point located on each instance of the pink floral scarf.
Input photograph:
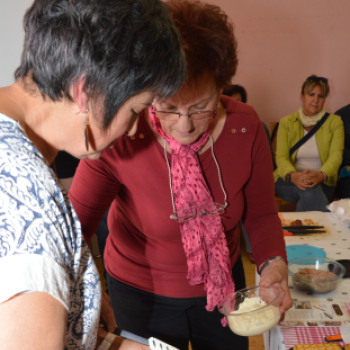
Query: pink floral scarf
(203, 237)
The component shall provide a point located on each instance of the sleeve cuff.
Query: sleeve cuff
(26, 273)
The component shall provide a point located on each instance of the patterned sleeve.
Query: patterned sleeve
(41, 247)
(32, 247)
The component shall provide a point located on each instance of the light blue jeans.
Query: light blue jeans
(312, 199)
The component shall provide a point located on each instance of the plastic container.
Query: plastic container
(263, 316)
(317, 275)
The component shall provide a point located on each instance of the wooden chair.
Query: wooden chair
(279, 201)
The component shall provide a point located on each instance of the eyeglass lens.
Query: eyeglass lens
(172, 116)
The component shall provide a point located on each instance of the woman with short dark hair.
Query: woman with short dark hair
(237, 92)
(87, 70)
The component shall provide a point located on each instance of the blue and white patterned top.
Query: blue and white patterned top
(41, 246)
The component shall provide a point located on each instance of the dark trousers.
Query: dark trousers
(343, 187)
(175, 321)
(102, 234)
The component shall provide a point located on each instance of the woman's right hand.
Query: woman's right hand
(129, 345)
(119, 343)
(302, 179)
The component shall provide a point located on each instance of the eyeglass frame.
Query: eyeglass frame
(195, 213)
(214, 112)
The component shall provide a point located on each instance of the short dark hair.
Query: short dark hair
(120, 47)
(208, 40)
(314, 80)
(235, 89)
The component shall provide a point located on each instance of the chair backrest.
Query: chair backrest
(273, 133)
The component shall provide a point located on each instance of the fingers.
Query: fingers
(111, 324)
(130, 345)
(107, 314)
(286, 301)
(101, 332)
(276, 276)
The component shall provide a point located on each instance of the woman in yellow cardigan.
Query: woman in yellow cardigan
(309, 175)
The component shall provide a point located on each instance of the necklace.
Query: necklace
(174, 215)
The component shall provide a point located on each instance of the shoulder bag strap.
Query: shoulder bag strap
(274, 131)
(308, 135)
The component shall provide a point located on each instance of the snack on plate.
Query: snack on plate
(326, 346)
(346, 347)
(296, 223)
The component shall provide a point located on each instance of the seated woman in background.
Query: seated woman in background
(307, 171)
(199, 163)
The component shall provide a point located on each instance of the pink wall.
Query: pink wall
(281, 42)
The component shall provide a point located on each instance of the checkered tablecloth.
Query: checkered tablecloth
(337, 247)
(309, 335)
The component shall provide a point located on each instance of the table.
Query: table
(337, 246)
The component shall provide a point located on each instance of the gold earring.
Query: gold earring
(86, 130)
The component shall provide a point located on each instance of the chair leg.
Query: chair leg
(278, 202)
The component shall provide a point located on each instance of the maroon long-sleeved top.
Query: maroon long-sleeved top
(144, 247)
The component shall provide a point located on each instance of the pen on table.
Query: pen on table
(324, 311)
(297, 231)
(318, 308)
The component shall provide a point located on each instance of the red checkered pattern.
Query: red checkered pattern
(309, 335)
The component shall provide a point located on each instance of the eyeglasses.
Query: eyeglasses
(175, 116)
(187, 214)
(314, 78)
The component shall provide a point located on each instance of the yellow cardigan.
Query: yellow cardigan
(329, 140)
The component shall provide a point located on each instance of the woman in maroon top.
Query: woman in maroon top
(198, 164)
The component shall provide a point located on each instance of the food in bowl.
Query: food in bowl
(325, 279)
(317, 275)
(251, 311)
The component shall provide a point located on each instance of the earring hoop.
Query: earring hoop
(86, 130)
